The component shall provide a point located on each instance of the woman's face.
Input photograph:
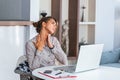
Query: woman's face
(51, 26)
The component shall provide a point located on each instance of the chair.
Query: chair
(26, 73)
(23, 75)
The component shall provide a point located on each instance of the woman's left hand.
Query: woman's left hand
(50, 45)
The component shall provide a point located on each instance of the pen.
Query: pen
(69, 76)
(58, 73)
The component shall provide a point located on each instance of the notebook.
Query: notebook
(88, 59)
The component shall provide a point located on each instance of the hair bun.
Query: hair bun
(35, 24)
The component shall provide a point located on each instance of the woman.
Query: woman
(44, 48)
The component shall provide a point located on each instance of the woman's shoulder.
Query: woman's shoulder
(30, 41)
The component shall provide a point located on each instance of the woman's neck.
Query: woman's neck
(43, 34)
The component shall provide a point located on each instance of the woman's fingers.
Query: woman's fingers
(49, 42)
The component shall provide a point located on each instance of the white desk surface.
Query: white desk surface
(102, 73)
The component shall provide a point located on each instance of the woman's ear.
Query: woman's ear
(43, 24)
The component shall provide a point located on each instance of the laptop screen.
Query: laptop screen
(89, 57)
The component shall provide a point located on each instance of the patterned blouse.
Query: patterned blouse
(47, 56)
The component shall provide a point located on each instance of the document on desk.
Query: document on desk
(57, 74)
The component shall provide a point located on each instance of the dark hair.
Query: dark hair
(38, 24)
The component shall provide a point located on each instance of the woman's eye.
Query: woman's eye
(53, 23)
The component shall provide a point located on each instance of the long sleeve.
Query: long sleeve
(58, 52)
(31, 53)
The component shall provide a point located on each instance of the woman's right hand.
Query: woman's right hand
(39, 44)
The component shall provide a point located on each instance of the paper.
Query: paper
(57, 74)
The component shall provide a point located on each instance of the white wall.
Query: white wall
(34, 15)
(45, 5)
(104, 31)
(64, 10)
(117, 25)
(12, 42)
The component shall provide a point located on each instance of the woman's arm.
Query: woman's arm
(31, 54)
(58, 52)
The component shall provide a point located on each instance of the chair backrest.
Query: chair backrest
(21, 59)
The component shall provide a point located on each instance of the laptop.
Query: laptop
(88, 59)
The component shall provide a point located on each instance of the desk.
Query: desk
(102, 73)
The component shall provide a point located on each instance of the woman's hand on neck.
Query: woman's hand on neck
(45, 36)
(49, 43)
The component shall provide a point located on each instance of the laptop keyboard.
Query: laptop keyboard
(69, 69)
